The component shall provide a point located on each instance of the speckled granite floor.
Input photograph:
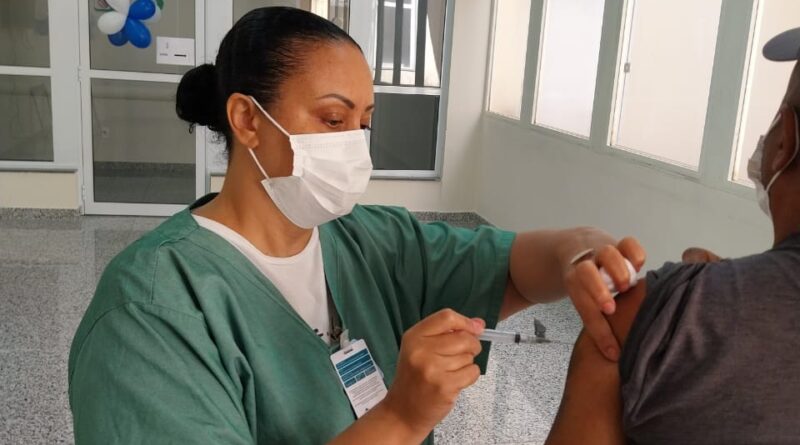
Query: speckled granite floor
(48, 270)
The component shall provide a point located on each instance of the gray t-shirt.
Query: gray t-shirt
(713, 356)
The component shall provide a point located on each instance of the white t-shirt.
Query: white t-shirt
(299, 278)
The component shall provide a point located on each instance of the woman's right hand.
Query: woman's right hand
(437, 361)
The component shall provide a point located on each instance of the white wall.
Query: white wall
(38, 190)
(528, 180)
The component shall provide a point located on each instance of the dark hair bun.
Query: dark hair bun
(196, 99)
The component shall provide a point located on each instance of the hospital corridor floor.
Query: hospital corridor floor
(50, 265)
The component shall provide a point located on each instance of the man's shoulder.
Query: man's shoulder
(708, 280)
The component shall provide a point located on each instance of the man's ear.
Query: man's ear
(788, 141)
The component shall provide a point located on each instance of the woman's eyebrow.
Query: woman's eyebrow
(350, 104)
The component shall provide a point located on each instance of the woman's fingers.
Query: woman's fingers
(457, 362)
(455, 343)
(464, 377)
(633, 251)
(447, 320)
(596, 324)
(612, 261)
(587, 278)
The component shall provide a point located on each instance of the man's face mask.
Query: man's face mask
(757, 159)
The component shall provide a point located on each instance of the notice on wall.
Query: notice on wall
(174, 51)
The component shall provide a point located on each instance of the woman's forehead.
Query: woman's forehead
(334, 68)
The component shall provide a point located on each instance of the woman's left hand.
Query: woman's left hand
(589, 294)
(547, 264)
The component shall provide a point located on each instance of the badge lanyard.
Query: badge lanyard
(358, 373)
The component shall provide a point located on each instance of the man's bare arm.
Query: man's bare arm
(591, 408)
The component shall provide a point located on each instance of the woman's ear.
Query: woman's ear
(787, 144)
(243, 118)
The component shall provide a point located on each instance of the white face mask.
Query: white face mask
(754, 166)
(330, 173)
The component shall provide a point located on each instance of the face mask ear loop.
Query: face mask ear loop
(264, 112)
(794, 155)
(252, 153)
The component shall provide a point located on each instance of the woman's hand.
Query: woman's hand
(547, 264)
(589, 293)
(436, 362)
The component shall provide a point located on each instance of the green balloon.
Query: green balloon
(160, 4)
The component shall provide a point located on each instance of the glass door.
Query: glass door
(138, 157)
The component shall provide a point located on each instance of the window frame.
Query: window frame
(724, 110)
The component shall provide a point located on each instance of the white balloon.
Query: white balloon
(121, 6)
(156, 17)
(111, 22)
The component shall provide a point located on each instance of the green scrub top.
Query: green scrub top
(185, 341)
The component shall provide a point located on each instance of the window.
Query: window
(765, 81)
(570, 50)
(133, 123)
(394, 115)
(508, 56)
(664, 77)
(26, 118)
(409, 46)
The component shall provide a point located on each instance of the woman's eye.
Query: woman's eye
(334, 123)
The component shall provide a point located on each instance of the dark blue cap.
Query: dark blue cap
(784, 47)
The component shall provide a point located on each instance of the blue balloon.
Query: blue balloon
(118, 39)
(142, 9)
(137, 33)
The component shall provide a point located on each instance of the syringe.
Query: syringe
(496, 336)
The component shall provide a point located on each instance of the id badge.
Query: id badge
(359, 375)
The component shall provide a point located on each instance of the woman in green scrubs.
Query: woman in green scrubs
(203, 331)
